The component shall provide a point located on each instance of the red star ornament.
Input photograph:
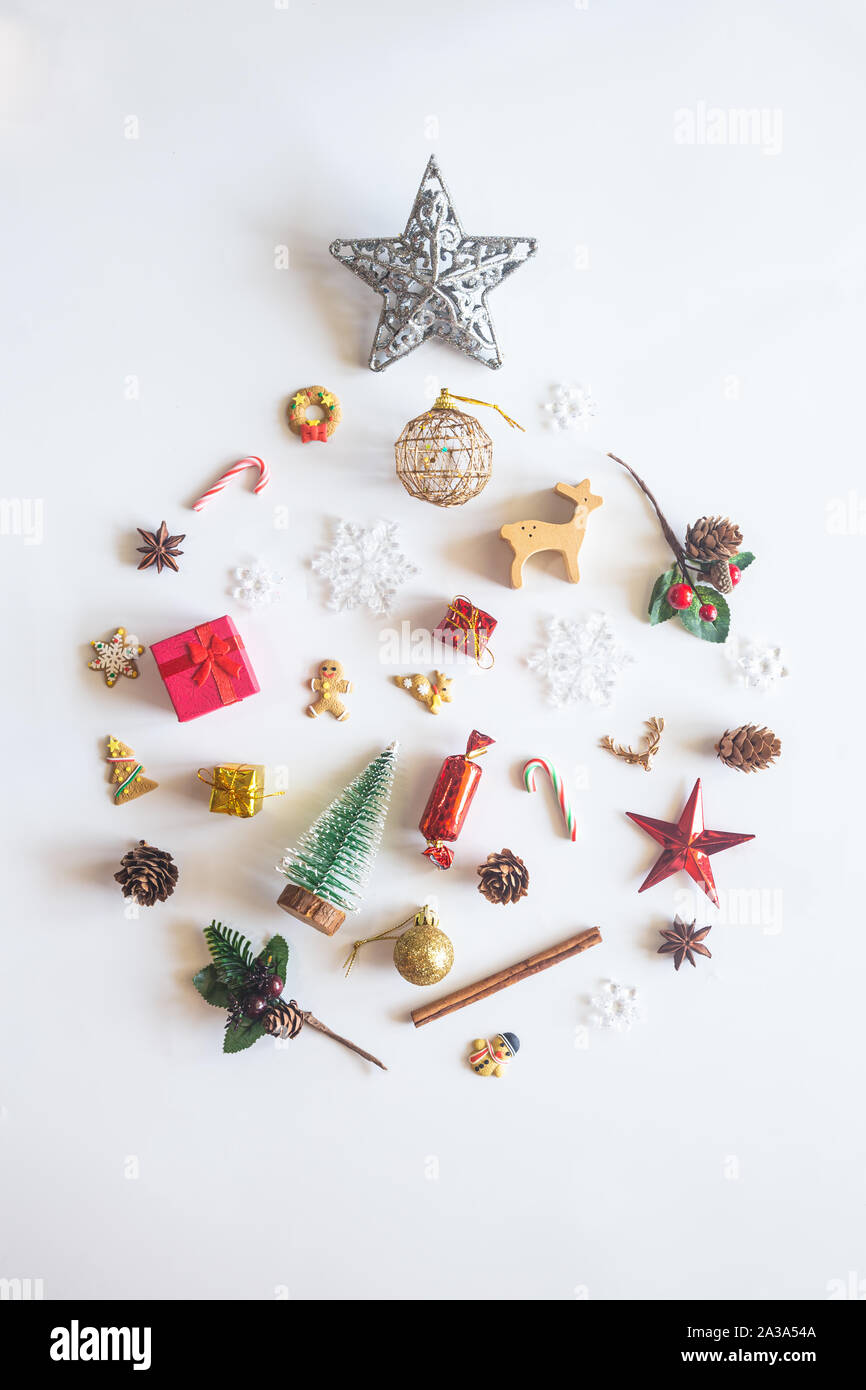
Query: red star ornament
(686, 844)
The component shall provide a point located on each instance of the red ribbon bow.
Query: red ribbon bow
(314, 429)
(211, 654)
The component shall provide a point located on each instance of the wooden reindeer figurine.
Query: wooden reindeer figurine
(527, 538)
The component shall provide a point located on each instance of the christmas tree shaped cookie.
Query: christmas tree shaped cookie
(330, 864)
(126, 771)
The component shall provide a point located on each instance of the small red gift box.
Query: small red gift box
(466, 628)
(205, 668)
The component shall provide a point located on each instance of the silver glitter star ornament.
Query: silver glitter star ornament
(434, 279)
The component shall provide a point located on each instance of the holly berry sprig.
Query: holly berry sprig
(243, 984)
(250, 987)
(683, 591)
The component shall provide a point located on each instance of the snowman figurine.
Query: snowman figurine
(490, 1056)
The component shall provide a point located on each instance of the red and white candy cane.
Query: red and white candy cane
(565, 806)
(251, 462)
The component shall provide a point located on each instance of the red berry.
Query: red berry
(255, 1005)
(736, 573)
(680, 596)
(275, 986)
(709, 612)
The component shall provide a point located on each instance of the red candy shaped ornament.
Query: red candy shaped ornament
(449, 801)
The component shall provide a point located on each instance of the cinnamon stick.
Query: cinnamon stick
(511, 975)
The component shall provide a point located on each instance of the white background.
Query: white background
(713, 298)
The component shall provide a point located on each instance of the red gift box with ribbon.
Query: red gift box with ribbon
(205, 668)
(467, 628)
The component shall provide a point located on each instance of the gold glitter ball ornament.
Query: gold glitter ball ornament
(424, 954)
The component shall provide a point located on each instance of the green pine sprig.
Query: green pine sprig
(231, 953)
(228, 975)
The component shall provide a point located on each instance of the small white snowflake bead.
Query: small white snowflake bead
(616, 1006)
(571, 406)
(257, 585)
(759, 665)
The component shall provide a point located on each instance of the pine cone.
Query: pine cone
(504, 878)
(712, 538)
(284, 1020)
(720, 577)
(147, 875)
(748, 748)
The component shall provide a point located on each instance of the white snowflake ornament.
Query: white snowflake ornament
(257, 585)
(365, 567)
(616, 1007)
(582, 660)
(571, 406)
(759, 666)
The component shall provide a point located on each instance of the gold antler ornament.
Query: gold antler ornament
(643, 756)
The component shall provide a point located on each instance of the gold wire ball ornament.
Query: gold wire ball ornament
(446, 456)
(423, 954)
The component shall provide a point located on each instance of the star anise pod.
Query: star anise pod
(681, 941)
(159, 549)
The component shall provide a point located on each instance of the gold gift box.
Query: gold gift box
(237, 789)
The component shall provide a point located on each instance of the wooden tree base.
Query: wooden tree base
(309, 908)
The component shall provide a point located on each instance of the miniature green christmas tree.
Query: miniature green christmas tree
(330, 864)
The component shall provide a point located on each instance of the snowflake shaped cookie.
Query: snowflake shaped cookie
(257, 585)
(582, 660)
(616, 1006)
(365, 566)
(116, 657)
(571, 405)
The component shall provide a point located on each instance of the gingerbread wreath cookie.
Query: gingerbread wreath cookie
(314, 429)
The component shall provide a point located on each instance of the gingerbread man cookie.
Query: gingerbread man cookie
(329, 685)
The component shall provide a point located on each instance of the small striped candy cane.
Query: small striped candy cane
(565, 806)
(251, 462)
